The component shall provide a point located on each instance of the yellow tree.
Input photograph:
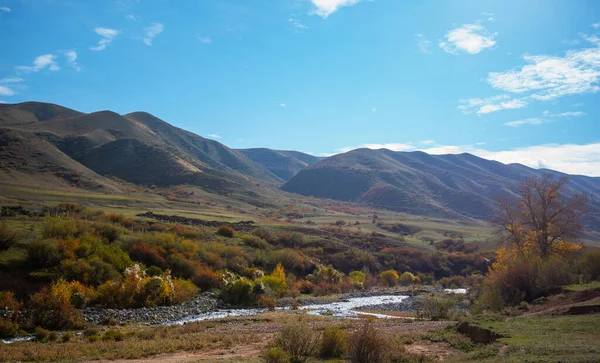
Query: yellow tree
(543, 216)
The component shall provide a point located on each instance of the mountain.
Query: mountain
(60, 146)
(283, 164)
(419, 183)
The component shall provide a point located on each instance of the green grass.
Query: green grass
(582, 287)
(570, 338)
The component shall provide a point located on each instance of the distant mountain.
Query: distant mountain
(419, 183)
(61, 146)
(283, 164)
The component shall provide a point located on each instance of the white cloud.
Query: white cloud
(568, 158)
(374, 109)
(565, 114)
(205, 40)
(4, 9)
(1, 101)
(11, 80)
(5, 91)
(487, 105)
(469, 38)
(151, 31)
(107, 35)
(596, 26)
(72, 60)
(282, 105)
(297, 24)
(324, 8)
(423, 44)
(214, 136)
(548, 77)
(490, 16)
(527, 121)
(132, 17)
(41, 62)
(428, 142)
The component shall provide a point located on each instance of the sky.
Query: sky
(513, 81)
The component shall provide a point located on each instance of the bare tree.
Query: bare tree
(542, 214)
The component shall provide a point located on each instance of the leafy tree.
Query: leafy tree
(389, 278)
(542, 216)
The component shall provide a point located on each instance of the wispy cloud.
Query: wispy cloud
(6, 91)
(596, 26)
(132, 17)
(324, 8)
(107, 35)
(4, 9)
(283, 105)
(72, 60)
(214, 136)
(297, 24)
(151, 31)
(583, 159)
(41, 62)
(374, 109)
(548, 77)
(489, 16)
(428, 142)
(487, 105)
(527, 121)
(568, 114)
(11, 80)
(469, 38)
(423, 44)
(205, 40)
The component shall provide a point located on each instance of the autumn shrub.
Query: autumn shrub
(108, 232)
(589, 265)
(266, 302)
(275, 355)
(325, 288)
(9, 328)
(239, 292)
(299, 341)
(207, 279)
(358, 278)
(389, 278)
(367, 344)
(92, 271)
(154, 271)
(110, 321)
(60, 228)
(305, 286)
(408, 279)
(226, 231)
(435, 307)
(149, 255)
(334, 342)
(181, 267)
(184, 290)
(8, 301)
(8, 237)
(113, 335)
(43, 253)
(67, 337)
(41, 334)
(51, 308)
(276, 281)
(255, 242)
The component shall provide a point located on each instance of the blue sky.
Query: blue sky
(514, 81)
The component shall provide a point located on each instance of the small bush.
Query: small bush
(266, 302)
(8, 237)
(299, 341)
(207, 279)
(41, 334)
(226, 231)
(334, 342)
(60, 228)
(255, 242)
(367, 344)
(407, 279)
(435, 307)
(67, 337)
(8, 301)
(8, 328)
(275, 355)
(52, 337)
(43, 253)
(110, 321)
(90, 332)
(113, 334)
(93, 338)
(184, 290)
(389, 278)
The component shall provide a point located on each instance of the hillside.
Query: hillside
(283, 164)
(419, 183)
(58, 147)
